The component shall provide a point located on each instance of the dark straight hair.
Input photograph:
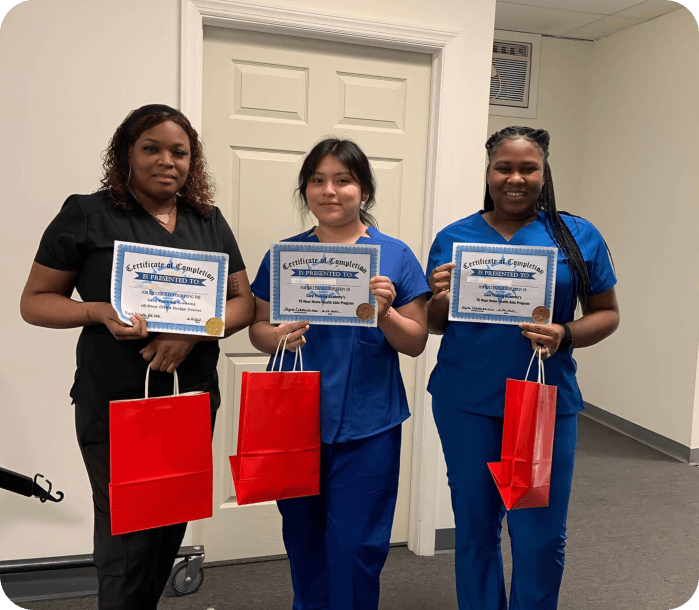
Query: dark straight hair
(556, 227)
(353, 158)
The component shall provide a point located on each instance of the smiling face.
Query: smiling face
(333, 194)
(159, 164)
(515, 177)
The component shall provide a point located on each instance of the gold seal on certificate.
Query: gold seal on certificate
(365, 311)
(214, 327)
(540, 314)
(502, 284)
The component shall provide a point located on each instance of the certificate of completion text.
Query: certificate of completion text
(503, 284)
(176, 291)
(323, 283)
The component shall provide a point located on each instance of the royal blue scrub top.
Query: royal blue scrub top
(362, 391)
(475, 359)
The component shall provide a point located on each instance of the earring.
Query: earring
(128, 178)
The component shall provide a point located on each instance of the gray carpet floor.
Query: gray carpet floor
(633, 544)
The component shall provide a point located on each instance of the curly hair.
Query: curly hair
(198, 190)
(555, 226)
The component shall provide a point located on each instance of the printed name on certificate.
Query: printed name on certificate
(176, 291)
(503, 284)
(323, 283)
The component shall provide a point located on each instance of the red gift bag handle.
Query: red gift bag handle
(540, 378)
(176, 383)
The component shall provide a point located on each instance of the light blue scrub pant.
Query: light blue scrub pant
(338, 542)
(537, 535)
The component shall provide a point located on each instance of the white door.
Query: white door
(267, 99)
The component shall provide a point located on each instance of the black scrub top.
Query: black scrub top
(81, 238)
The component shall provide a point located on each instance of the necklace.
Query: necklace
(163, 218)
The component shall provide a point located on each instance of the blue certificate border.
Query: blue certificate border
(222, 259)
(373, 251)
(551, 260)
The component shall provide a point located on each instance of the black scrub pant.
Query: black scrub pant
(132, 569)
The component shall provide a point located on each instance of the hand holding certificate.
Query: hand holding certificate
(502, 284)
(176, 291)
(323, 283)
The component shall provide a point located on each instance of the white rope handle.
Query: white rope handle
(298, 357)
(176, 384)
(274, 360)
(541, 379)
(540, 366)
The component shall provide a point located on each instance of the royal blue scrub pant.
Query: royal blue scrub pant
(537, 535)
(338, 541)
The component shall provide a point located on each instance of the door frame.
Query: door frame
(195, 14)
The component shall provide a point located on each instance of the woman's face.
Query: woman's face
(333, 195)
(515, 176)
(159, 162)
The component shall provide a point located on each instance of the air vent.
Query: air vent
(508, 48)
(509, 83)
(514, 74)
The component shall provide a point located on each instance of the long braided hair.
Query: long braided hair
(555, 226)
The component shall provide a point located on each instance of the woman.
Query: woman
(475, 359)
(155, 191)
(337, 542)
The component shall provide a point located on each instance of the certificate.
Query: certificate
(176, 291)
(323, 283)
(503, 284)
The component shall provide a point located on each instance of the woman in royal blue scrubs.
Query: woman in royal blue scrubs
(475, 359)
(337, 542)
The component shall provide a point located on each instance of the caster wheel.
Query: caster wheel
(178, 583)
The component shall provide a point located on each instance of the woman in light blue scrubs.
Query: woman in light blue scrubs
(338, 542)
(475, 359)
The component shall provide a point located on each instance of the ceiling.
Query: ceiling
(584, 19)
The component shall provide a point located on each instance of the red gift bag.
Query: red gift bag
(523, 475)
(161, 460)
(278, 435)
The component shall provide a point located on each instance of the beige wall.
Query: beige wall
(71, 70)
(640, 188)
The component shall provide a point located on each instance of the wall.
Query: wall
(71, 71)
(640, 188)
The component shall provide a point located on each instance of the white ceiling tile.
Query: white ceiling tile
(650, 9)
(537, 20)
(603, 27)
(601, 7)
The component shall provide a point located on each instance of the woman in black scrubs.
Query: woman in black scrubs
(155, 191)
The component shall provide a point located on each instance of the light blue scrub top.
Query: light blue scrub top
(362, 391)
(475, 359)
